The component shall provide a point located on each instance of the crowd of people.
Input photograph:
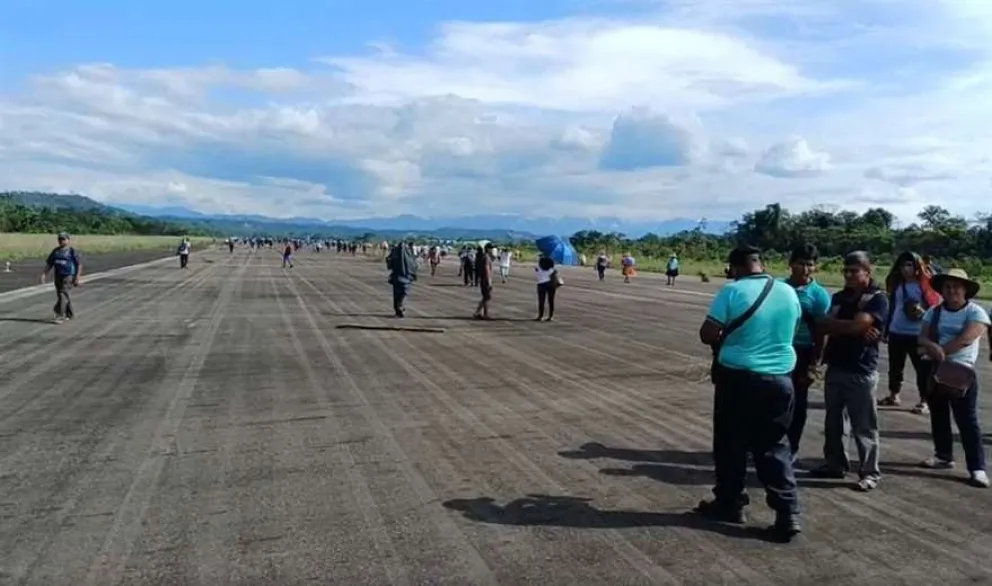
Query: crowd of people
(477, 265)
(772, 337)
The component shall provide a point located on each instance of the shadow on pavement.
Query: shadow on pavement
(592, 451)
(26, 320)
(576, 512)
(435, 317)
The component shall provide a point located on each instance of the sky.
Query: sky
(638, 109)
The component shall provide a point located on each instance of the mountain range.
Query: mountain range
(494, 227)
(518, 226)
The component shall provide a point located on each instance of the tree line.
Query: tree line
(16, 217)
(952, 240)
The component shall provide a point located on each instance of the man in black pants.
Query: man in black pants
(184, 249)
(64, 261)
(752, 325)
(484, 278)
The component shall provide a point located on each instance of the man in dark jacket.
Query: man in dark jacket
(64, 261)
(402, 265)
(855, 327)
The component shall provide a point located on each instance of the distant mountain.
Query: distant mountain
(491, 227)
(159, 212)
(38, 199)
(496, 223)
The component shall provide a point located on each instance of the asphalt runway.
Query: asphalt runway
(215, 426)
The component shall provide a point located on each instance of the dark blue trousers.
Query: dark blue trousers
(752, 414)
(400, 292)
(965, 414)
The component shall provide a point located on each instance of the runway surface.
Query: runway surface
(214, 426)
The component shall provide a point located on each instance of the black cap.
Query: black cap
(742, 255)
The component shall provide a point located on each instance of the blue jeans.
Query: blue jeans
(965, 411)
(751, 414)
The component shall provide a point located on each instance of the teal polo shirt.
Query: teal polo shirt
(764, 343)
(815, 302)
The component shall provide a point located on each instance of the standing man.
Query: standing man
(468, 267)
(434, 257)
(505, 258)
(815, 303)
(751, 325)
(402, 265)
(184, 249)
(484, 276)
(64, 261)
(855, 325)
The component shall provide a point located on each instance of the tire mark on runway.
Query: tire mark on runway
(45, 367)
(634, 557)
(477, 567)
(390, 562)
(102, 309)
(79, 479)
(111, 562)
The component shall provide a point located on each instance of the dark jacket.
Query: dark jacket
(402, 265)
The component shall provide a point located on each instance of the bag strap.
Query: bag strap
(932, 332)
(742, 318)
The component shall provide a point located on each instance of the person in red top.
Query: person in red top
(911, 293)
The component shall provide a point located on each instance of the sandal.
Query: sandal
(890, 401)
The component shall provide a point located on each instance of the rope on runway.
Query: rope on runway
(392, 328)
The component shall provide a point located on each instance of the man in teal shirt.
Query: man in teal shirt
(815, 302)
(754, 393)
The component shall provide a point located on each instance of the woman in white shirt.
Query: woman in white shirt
(950, 335)
(547, 285)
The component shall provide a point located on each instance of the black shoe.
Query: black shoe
(716, 511)
(786, 527)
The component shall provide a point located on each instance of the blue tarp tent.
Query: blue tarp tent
(559, 250)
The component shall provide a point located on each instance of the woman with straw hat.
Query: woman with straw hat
(950, 335)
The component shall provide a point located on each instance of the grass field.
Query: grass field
(21, 246)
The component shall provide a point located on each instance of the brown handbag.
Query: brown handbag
(950, 379)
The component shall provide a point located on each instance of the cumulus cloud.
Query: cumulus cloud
(581, 64)
(642, 140)
(792, 158)
(679, 110)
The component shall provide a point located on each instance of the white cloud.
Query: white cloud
(792, 158)
(581, 64)
(679, 110)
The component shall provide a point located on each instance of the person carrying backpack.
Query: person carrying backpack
(64, 262)
(183, 251)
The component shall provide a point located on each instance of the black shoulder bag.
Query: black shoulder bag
(736, 323)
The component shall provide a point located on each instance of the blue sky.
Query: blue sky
(636, 108)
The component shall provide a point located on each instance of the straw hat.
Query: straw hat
(971, 286)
